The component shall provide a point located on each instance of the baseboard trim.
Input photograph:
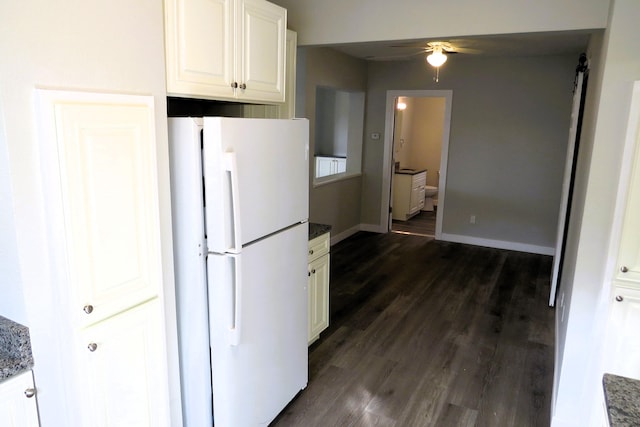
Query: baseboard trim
(345, 234)
(498, 244)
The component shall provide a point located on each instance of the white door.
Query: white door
(123, 371)
(260, 65)
(258, 321)
(256, 178)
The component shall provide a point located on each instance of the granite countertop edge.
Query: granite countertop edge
(15, 349)
(405, 172)
(316, 229)
(622, 398)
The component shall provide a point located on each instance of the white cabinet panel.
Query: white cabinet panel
(200, 46)
(124, 370)
(408, 194)
(16, 409)
(624, 349)
(226, 49)
(99, 160)
(109, 194)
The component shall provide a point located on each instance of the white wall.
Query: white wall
(114, 46)
(336, 21)
(586, 279)
(509, 130)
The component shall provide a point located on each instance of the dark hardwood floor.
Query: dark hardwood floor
(427, 333)
(423, 224)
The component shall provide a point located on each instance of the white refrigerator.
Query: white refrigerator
(240, 209)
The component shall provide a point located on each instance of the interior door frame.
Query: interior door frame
(387, 175)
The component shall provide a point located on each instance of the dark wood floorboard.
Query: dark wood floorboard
(423, 224)
(427, 333)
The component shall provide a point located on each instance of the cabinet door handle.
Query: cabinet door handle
(624, 269)
(243, 86)
(619, 298)
(92, 347)
(313, 271)
(88, 309)
(30, 392)
(310, 251)
(234, 85)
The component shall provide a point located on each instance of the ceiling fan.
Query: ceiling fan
(437, 52)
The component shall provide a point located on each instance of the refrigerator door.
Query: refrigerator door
(187, 209)
(258, 317)
(257, 174)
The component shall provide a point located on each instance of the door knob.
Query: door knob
(30, 392)
(243, 86)
(88, 309)
(234, 85)
(619, 298)
(624, 269)
(92, 347)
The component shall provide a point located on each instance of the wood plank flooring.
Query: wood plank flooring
(423, 224)
(427, 333)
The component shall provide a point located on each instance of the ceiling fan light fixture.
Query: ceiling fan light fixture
(437, 58)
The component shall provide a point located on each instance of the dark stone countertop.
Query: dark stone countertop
(622, 396)
(15, 349)
(316, 230)
(409, 171)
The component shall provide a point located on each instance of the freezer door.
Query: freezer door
(258, 317)
(256, 178)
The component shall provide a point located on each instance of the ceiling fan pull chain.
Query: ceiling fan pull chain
(437, 77)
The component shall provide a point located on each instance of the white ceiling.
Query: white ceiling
(531, 44)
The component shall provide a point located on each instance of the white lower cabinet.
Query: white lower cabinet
(18, 407)
(408, 194)
(318, 287)
(123, 372)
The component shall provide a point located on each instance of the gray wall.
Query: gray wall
(509, 130)
(337, 21)
(336, 203)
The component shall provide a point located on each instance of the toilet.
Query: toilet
(429, 193)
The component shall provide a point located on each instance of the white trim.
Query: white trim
(345, 234)
(387, 162)
(498, 244)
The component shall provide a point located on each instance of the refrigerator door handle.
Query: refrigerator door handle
(231, 165)
(236, 303)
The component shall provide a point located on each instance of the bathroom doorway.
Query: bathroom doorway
(417, 139)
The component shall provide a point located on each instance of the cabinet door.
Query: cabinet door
(16, 409)
(260, 65)
(629, 252)
(200, 47)
(121, 362)
(107, 166)
(318, 296)
(624, 349)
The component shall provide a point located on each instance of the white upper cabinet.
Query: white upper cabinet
(226, 49)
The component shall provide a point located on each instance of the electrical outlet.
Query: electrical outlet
(472, 219)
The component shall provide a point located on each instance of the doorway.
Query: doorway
(406, 145)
